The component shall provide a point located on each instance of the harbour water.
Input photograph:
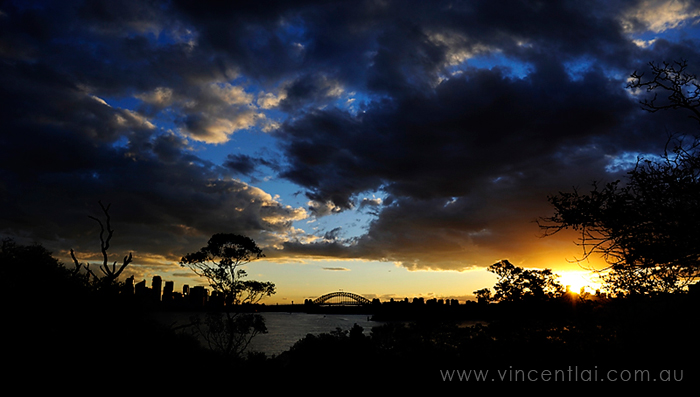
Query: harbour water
(284, 329)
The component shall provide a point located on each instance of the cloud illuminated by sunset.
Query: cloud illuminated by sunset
(363, 135)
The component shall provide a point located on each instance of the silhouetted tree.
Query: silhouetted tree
(680, 87)
(642, 280)
(483, 295)
(515, 283)
(220, 263)
(48, 275)
(646, 229)
(110, 273)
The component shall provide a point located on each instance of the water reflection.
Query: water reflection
(284, 329)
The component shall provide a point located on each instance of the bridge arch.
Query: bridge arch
(341, 298)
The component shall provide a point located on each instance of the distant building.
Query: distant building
(198, 296)
(128, 287)
(156, 286)
(141, 290)
(168, 291)
(216, 299)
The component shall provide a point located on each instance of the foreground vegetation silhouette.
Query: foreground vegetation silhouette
(646, 227)
(66, 328)
(230, 331)
(529, 330)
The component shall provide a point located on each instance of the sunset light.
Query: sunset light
(575, 281)
(190, 152)
(379, 162)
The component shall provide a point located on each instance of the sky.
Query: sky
(387, 148)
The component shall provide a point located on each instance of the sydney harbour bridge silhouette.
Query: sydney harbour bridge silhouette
(341, 298)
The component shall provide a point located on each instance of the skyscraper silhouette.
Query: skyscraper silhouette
(168, 291)
(156, 286)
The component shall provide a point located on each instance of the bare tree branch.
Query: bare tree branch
(111, 274)
(682, 88)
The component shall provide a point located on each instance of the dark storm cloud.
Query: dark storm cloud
(308, 90)
(241, 163)
(332, 234)
(462, 155)
(247, 165)
(468, 162)
(280, 38)
(471, 130)
(63, 148)
(164, 199)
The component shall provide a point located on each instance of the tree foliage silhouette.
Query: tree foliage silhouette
(483, 295)
(515, 283)
(49, 276)
(220, 262)
(647, 228)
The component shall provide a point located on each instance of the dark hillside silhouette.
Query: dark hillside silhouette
(61, 329)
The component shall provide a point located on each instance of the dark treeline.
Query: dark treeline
(62, 326)
(646, 228)
(59, 314)
(552, 331)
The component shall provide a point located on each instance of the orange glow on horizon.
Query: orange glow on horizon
(577, 280)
